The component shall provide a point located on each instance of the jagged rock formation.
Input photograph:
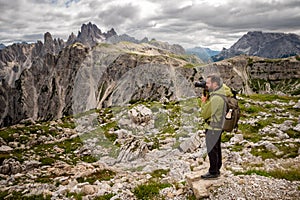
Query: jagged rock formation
(45, 81)
(267, 45)
(79, 79)
(90, 35)
(43, 91)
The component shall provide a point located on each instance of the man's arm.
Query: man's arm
(205, 108)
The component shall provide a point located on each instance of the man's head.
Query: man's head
(213, 82)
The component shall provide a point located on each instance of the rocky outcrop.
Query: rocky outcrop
(259, 75)
(43, 91)
(126, 72)
(16, 58)
(79, 79)
(267, 45)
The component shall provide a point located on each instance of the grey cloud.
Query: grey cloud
(116, 15)
(189, 25)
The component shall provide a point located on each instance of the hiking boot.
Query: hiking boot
(210, 176)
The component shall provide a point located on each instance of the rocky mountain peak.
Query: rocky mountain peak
(110, 33)
(268, 45)
(52, 46)
(90, 34)
(71, 39)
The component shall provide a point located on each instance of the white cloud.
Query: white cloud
(209, 23)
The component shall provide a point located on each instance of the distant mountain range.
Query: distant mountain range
(266, 45)
(204, 54)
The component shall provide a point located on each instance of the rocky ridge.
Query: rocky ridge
(46, 81)
(79, 79)
(115, 152)
(266, 45)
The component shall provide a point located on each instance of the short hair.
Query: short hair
(215, 79)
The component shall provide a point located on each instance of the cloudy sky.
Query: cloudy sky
(207, 23)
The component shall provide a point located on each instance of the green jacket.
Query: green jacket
(212, 110)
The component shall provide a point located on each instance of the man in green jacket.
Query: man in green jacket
(212, 111)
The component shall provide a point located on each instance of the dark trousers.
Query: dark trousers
(213, 145)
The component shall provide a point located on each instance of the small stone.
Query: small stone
(89, 189)
(5, 149)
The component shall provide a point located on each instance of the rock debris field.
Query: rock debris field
(153, 150)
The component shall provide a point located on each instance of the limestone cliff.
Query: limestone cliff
(260, 75)
(80, 78)
(267, 45)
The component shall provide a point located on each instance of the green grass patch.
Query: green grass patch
(89, 159)
(102, 175)
(155, 142)
(76, 196)
(67, 122)
(290, 150)
(237, 147)
(3, 156)
(47, 161)
(252, 109)
(160, 120)
(226, 137)
(263, 153)
(269, 121)
(270, 97)
(189, 65)
(293, 134)
(110, 126)
(159, 173)
(149, 190)
(104, 197)
(70, 145)
(291, 174)
(250, 132)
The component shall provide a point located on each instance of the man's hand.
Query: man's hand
(203, 98)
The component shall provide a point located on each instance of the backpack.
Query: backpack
(231, 113)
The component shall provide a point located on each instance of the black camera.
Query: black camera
(201, 84)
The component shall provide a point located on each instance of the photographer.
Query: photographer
(212, 111)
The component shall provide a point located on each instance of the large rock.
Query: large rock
(10, 166)
(140, 114)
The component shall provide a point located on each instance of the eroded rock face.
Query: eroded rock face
(44, 91)
(267, 45)
(259, 75)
